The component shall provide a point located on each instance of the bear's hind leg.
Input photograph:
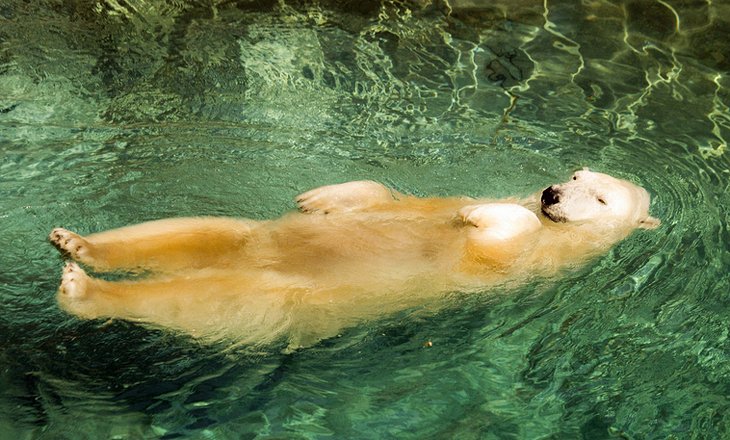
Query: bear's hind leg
(172, 244)
(211, 303)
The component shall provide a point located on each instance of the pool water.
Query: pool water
(116, 112)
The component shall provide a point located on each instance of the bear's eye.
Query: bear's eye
(601, 200)
(575, 177)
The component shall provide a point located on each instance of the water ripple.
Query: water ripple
(124, 111)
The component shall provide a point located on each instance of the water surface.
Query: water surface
(116, 112)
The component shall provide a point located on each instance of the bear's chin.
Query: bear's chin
(553, 217)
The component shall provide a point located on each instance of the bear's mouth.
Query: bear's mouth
(552, 216)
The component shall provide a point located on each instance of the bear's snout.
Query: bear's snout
(550, 196)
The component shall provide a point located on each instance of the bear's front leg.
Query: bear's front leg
(498, 232)
(349, 196)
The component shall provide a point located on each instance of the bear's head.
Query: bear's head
(598, 198)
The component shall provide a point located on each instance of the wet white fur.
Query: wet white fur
(357, 251)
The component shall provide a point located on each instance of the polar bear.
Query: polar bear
(354, 251)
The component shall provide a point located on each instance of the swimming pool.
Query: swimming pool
(117, 112)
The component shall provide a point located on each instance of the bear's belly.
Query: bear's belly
(356, 248)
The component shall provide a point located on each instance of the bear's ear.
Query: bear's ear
(650, 223)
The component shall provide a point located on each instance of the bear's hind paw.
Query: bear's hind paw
(70, 244)
(74, 281)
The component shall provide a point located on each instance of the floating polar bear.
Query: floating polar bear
(357, 250)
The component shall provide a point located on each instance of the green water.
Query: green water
(117, 112)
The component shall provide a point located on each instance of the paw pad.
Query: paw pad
(68, 243)
(73, 281)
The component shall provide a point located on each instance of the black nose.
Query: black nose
(550, 196)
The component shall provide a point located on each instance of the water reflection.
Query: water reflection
(400, 65)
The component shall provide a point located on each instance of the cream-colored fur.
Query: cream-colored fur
(355, 251)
